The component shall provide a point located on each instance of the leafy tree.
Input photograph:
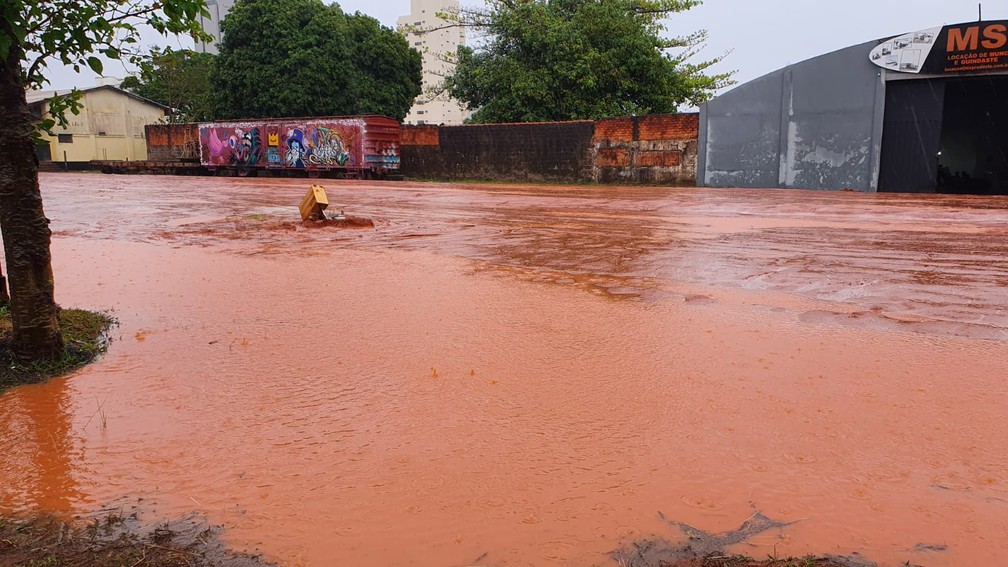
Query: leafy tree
(579, 59)
(179, 80)
(283, 58)
(32, 33)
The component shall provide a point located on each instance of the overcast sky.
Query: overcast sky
(763, 35)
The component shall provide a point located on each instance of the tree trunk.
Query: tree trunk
(25, 228)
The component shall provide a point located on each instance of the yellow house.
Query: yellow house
(110, 126)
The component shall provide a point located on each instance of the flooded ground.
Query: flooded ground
(514, 375)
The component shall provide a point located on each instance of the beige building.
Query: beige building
(110, 126)
(437, 46)
(211, 24)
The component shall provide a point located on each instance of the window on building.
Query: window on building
(64, 138)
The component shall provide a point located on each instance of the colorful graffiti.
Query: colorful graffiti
(232, 146)
(319, 145)
(295, 149)
(337, 143)
(328, 147)
(385, 155)
(273, 146)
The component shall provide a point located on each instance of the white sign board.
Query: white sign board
(906, 53)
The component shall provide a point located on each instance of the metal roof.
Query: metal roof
(35, 97)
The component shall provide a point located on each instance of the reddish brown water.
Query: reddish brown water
(520, 375)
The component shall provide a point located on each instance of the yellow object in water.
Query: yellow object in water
(314, 203)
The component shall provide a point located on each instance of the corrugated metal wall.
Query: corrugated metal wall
(812, 125)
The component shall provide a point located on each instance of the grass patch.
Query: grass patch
(85, 338)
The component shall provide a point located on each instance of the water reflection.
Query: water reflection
(39, 448)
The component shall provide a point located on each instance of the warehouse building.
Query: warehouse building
(109, 126)
(923, 112)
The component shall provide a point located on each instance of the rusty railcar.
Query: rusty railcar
(354, 146)
(172, 142)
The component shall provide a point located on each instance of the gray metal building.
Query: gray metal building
(923, 112)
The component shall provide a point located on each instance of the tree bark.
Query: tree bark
(25, 228)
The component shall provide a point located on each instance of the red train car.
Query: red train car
(350, 145)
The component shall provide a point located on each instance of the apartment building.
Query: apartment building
(212, 24)
(437, 40)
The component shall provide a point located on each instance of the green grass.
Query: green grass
(85, 338)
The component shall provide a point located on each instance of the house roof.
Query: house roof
(36, 97)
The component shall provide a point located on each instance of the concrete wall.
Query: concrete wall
(648, 149)
(812, 125)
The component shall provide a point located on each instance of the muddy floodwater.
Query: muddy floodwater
(522, 375)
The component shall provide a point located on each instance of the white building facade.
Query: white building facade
(438, 46)
(212, 24)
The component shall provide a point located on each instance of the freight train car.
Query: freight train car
(353, 146)
(172, 142)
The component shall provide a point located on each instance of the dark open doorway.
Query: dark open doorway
(973, 154)
(946, 136)
(911, 136)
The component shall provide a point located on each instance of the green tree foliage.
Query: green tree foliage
(579, 59)
(179, 80)
(33, 33)
(284, 58)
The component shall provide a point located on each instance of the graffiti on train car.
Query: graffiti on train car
(329, 144)
(323, 145)
(232, 146)
(352, 143)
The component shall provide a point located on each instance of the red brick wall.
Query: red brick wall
(613, 158)
(645, 128)
(646, 149)
(614, 129)
(638, 149)
(669, 127)
(426, 135)
(670, 158)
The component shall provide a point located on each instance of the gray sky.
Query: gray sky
(763, 35)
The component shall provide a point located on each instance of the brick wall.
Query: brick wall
(660, 149)
(418, 135)
(615, 129)
(669, 127)
(555, 151)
